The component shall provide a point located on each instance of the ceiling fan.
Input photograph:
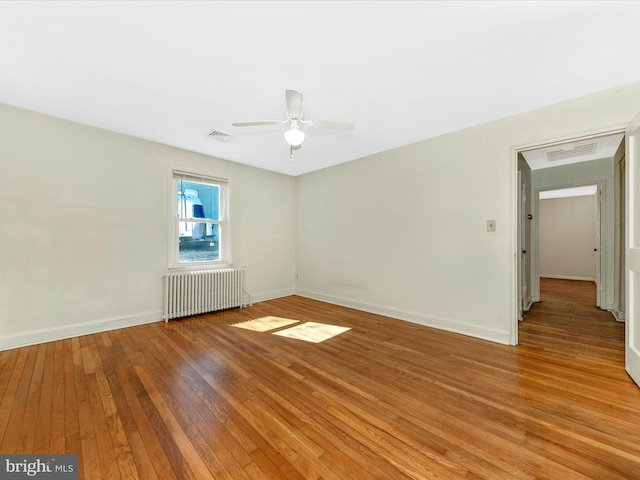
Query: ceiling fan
(294, 118)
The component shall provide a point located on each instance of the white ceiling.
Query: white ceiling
(401, 71)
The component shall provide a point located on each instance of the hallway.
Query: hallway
(566, 322)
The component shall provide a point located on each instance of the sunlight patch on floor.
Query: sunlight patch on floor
(265, 324)
(312, 332)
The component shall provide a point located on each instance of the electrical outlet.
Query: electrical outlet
(491, 225)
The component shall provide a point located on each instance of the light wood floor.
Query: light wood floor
(386, 400)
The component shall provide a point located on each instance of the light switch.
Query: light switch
(491, 225)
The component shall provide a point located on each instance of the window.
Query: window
(199, 220)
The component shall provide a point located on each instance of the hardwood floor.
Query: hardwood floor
(200, 399)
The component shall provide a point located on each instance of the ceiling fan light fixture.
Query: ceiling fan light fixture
(294, 117)
(294, 136)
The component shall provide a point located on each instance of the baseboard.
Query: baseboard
(68, 331)
(618, 315)
(569, 277)
(439, 323)
(34, 337)
(263, 297)
(529, 304)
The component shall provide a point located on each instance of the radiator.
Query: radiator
(201, 291)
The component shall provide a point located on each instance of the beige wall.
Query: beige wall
(84, 227)
(403, 232)
(567, 237)
(600, 172)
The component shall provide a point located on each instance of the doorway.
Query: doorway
(569, 233)
(596, 159)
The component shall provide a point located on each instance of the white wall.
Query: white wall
(567, 237)
(403, 232)
(84, 227)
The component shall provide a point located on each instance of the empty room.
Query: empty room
(307, 240)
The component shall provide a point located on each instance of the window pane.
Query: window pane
(198, 211)
(199, 242)
(198, 200)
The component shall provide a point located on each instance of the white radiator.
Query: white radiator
(200, 291)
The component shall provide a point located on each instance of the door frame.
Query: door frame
(516, 266)
(525, 283)
(600, 225)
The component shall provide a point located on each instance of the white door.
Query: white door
(632, 333)
(597, 247)
(523, 249)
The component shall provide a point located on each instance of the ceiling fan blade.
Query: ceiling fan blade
(327, 124)
(253, 124)
(294, 102)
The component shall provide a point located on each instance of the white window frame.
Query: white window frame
(224, 184)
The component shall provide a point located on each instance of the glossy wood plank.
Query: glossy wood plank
(199, 399)
(15, 400)
(57, 432)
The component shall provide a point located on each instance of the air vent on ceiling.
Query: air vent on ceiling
(577, 151)
(220, 135)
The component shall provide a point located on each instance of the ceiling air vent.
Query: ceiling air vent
(572, 152)
(220, 135)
